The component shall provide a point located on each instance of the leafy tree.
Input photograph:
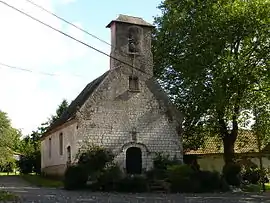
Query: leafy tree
(9, 139)
(212, 57)
(30, 145)
(60, 110)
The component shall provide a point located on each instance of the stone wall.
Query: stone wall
(113, 112)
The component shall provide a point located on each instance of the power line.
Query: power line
(66, 21)
(77, 27)
(67, 35)
(32, 71)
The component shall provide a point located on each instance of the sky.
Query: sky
(29, 98)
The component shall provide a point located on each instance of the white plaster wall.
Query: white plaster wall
(216, 163)
(69, 139)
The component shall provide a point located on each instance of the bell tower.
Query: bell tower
(131, 43)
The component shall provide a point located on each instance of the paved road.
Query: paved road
(35, 194)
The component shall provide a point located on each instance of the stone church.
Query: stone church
(124, 110)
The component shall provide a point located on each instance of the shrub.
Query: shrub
(8, 167)
(25, 165)
(36, 158)
(109, 178)
(75, 177)
(192, 161)
(30, 163)
(162, 161)
(211, 181)
(132, 183)
(182, 179)
(156, 174)
(253, 175)
(95, 158)
(231, 174)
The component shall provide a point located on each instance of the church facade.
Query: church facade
(124, 110)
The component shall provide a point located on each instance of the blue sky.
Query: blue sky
(30, 98)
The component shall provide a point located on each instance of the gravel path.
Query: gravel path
(32, 194)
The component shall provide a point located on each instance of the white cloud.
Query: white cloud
(30, 98)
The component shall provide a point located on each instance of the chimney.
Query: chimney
(131, 43)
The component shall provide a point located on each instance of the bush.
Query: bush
(109, 178)
(30, 163)
(182, 179)
(162, 161)
(253, 175)
(211, 182)
(95, 158)
(37, 162)
(156, 174)
(192, 161)
(8, 167)
(232, 174)
(75, 177)
(133, 184)
(25, 165)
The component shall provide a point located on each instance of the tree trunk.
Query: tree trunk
(228, 143)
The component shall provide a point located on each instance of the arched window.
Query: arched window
(134, 35)
(50, 147)
(61, 143)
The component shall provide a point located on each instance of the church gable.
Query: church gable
(70, 112)
(125, 109)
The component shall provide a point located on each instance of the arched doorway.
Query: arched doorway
(134, 160)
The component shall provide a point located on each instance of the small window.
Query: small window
(61, 143)
(50, 147)
(133, 83)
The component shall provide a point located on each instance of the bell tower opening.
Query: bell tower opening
(131, 43)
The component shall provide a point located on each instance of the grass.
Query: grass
(7, 196)
(40, 181)
(11, 174)
(267, 186)
(256, 188)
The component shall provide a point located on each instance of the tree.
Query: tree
(9, 139)
(60, 110)
(212, 56)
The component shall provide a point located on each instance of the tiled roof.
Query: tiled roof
(130, 20)
(78, 102)
(246, 142)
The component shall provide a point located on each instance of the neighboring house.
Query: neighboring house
(124, 110)
(210, 156)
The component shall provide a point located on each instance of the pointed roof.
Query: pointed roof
(130, 20)
(72, 109)
(70, 112)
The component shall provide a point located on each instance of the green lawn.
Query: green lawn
(267, 186)
(5, 174)
(256, 188)
(42, 181)
(7, 196)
